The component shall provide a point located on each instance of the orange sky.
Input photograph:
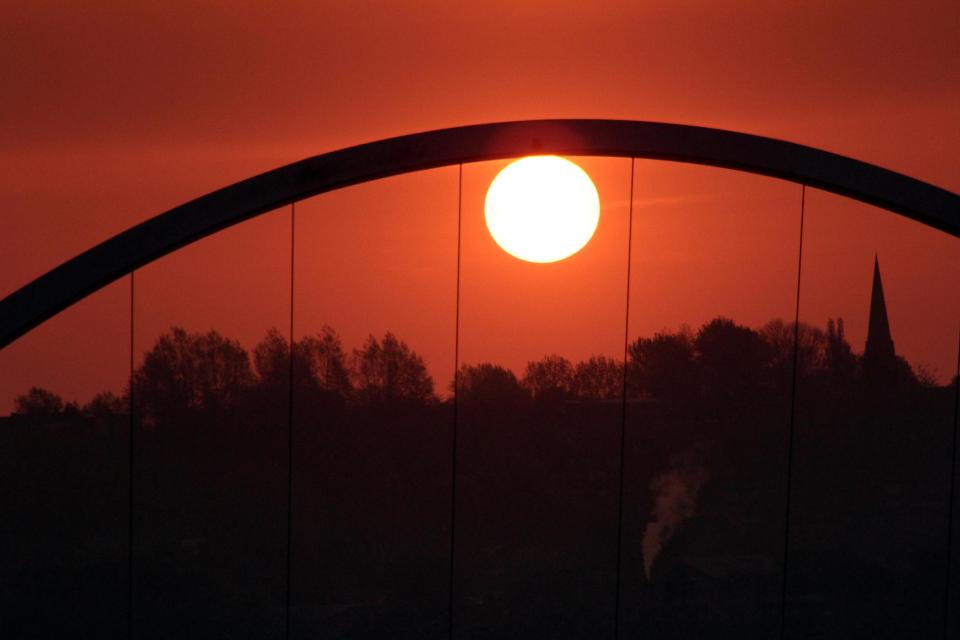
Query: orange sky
(113, 113)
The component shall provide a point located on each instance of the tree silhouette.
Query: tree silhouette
(840, 360)
(733, 359)
(319, 363)
(549, 377)
(191, 371)
(271, 360)
(661, 367)
(811, 347)
(323, 357)
(489, 383)
(106, 403)
(38, 403)
(598, 378)
(389, 371)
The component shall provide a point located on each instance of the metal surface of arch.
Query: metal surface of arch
(106, 262)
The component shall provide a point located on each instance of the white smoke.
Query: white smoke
(676, 501)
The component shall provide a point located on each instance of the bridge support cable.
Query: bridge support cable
(130, 469)
(456, 395)
(793, 413)
(623, 409)
(293, 221)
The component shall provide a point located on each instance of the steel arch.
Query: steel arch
(97, 267)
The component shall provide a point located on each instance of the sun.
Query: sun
(542, 208)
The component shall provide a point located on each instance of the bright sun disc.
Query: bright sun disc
(542, 208)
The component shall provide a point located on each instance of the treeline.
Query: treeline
(210, 372)
(369, 460)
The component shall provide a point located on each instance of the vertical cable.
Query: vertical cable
(793, 404)
(623, 408)
(953, 480)
(293, 213)
(456, 394)
(130, 478)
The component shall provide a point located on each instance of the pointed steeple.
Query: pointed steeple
(879, 347)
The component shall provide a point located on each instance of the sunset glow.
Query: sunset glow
(542, 208)
(311, 326)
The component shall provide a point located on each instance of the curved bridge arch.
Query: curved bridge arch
(77, 278)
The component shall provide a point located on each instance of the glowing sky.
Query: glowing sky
(115, 111)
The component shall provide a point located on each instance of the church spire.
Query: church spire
(879, 347)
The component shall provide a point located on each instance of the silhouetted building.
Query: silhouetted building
(879, 357)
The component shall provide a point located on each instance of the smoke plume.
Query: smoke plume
(676, 501)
